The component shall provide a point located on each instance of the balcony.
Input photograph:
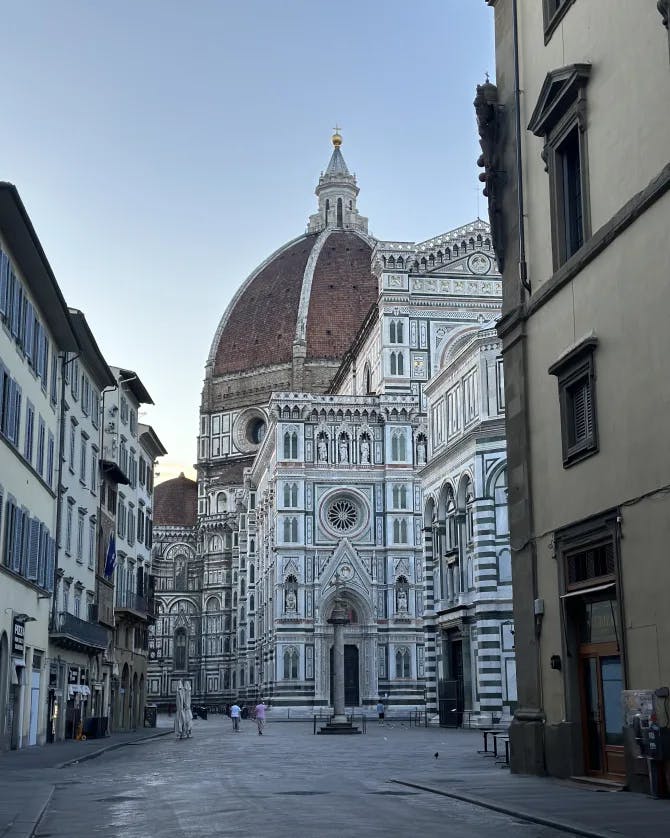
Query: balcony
(134, 605)
(71, 632)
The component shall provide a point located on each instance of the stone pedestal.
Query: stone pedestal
(338, 725)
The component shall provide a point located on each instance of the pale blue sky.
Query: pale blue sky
(163, 149)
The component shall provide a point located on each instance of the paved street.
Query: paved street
(286, 783)
(291, 783)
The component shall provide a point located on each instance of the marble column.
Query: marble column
(338, 619)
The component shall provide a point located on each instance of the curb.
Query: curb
(563, 826)
(113, 747)
(38, 819)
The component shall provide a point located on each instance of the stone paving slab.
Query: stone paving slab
(461, 773)
(29, 777)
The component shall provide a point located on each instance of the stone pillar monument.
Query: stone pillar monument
(338, 620)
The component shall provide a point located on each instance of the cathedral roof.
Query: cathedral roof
(292, 320)
(176, 503)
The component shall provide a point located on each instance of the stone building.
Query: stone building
(585, 347)
(467, 536)
(312, 428)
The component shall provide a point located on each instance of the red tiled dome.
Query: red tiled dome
(176, 503)
(266, 318)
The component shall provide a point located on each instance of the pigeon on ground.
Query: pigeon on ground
(436, 754)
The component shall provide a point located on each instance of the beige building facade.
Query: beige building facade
(585, 346)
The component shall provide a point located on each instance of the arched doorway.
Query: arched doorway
(134, 702)
(360, 650)
(125, 696)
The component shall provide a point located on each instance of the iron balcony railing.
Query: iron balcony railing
(73, 632)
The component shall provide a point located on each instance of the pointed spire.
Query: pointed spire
(337, 192)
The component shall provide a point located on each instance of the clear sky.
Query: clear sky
(163, 149)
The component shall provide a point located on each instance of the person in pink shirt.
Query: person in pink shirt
(260, 716)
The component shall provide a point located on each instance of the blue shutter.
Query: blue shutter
(45, 360)
(7, 543)
(17, 414)
(43, 554)
(25, 540)
(28, 332)
(4, 284)
(33, 549)
(14, 303)
(50, 564)
(17, 539)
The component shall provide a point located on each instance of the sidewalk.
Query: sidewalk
(28, 777)
(463, 774)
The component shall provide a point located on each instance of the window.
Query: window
(30, 429)
(124, 410)
(73, 441)
(80, 536)
(397, 363)
(500, 502)
(94, 469)
(577, 401)
(180, 649)
(290, 494)
(454, 411)
(51, 450)
(402, 663)
(91, 544)
(290, 530)
(396, 331)
(291, 445)
(290, 664)
(53, 390)
(553, 12)
(10, 406)
(400, 497)
(83, 459)
(400, 531)
(398, 447)
(68, 527)
(560, 119)
(471, 396)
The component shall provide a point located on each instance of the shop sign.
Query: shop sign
(18, 637)
(73, 674)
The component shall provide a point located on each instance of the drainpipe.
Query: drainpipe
(523, 267)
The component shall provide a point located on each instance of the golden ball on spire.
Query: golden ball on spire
(337, 138)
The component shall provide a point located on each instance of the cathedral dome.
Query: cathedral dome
(176, 503)
(295, 316)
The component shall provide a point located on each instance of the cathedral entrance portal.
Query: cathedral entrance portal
(352, 694)
(351, 676)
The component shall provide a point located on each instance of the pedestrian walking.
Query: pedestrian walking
(235, 716)
(260, 716)
(380, 711)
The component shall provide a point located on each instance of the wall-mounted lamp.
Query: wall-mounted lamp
(555, 662)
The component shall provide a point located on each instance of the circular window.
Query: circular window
(342, 514)
(249, 430)
(256, 431)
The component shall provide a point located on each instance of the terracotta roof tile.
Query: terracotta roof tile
(176, 503)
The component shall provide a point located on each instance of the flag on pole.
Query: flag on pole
(110, 560)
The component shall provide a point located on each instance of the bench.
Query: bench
(501, 760)
(493, 732)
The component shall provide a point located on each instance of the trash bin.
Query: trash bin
(150, 715)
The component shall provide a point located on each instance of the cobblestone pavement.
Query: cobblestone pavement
(290, 783)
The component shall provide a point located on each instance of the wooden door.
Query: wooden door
(602, 716)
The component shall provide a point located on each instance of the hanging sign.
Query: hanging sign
(18, 638)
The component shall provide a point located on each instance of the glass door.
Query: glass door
(602, 716)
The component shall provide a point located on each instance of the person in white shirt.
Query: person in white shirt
(235, 717)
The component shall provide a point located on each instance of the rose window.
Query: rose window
(342, 515)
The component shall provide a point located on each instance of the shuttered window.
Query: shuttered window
(577, 402)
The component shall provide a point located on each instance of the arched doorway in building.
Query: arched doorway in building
(125, 696)
(134, 702)
(360, 646)
(140, 703)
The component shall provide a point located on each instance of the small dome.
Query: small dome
(176, 503)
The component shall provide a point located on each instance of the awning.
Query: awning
(593, 590)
